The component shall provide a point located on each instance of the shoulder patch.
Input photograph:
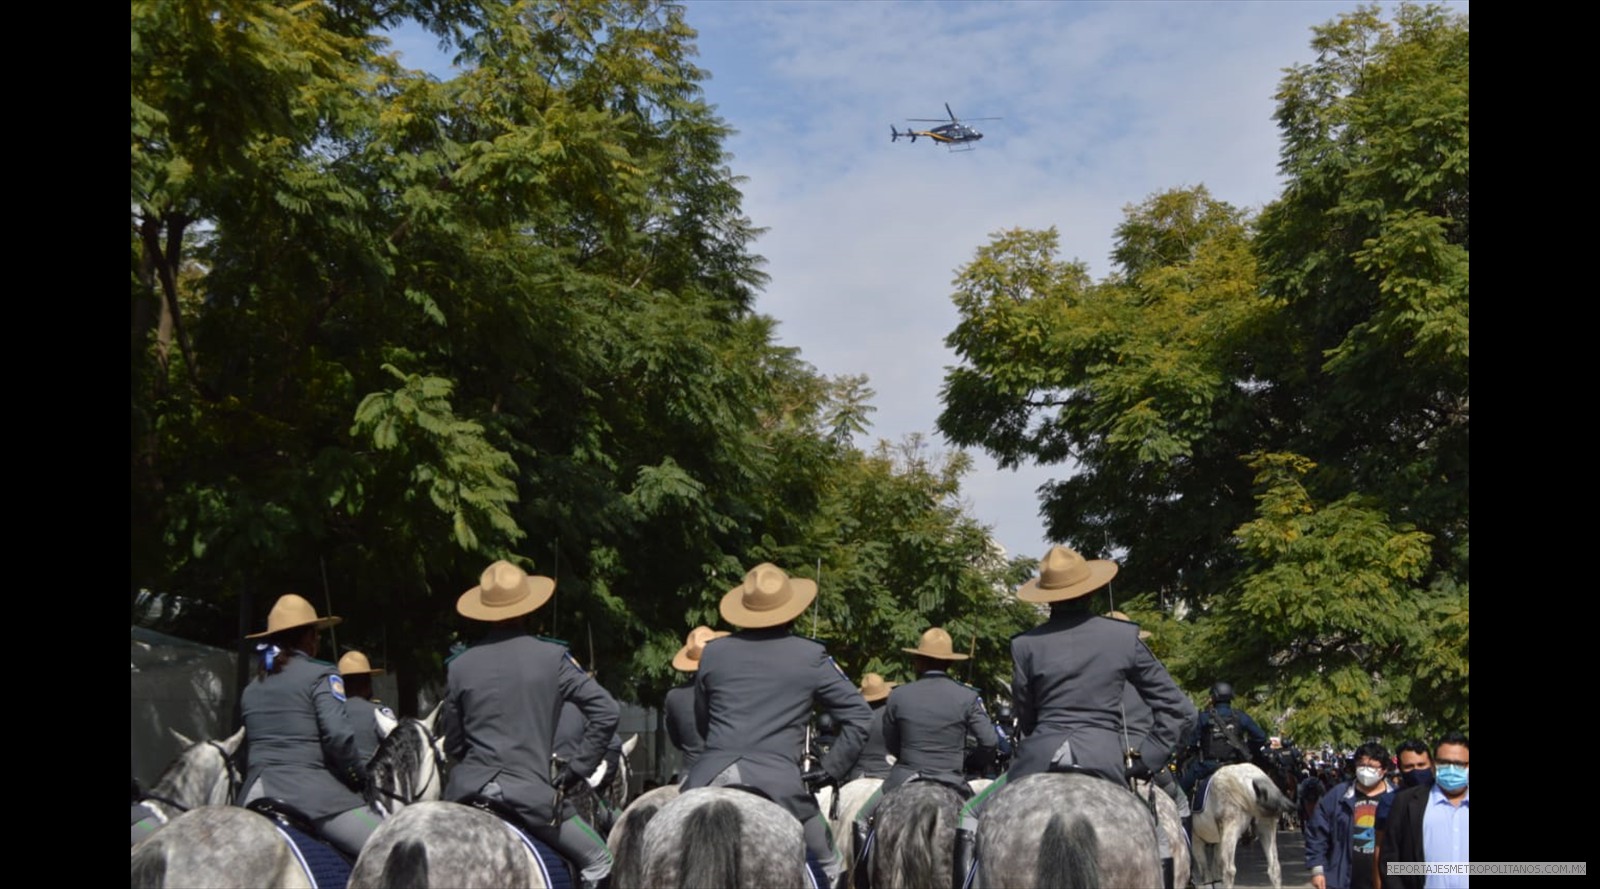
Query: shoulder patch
(336, 685)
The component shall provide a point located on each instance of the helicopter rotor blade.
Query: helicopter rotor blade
(949, 112)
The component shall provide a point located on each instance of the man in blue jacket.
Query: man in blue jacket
(1341, 839)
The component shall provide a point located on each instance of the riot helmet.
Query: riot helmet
(1222, 692)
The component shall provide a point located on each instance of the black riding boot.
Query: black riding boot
(861, 872)
(966, 849)
(1166, 874)
(1188, 828)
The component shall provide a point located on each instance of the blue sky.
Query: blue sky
(1103, 104)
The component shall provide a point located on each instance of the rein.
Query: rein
(438, 774)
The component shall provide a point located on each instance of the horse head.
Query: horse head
(203, 774)
(408, 766)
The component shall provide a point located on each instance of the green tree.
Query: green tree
(1267, 417)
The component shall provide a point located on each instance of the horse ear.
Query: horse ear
(183, 740)
(628, 745)
(231, 744)
(432, 719)
(386, 723)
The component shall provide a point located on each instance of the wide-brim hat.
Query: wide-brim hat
(688, 657)
(935, 643)
(874, 688)
(505, 591)
(768, 597)
(1117, 615)
(292, 611)
(1063, 575)
(354, 663)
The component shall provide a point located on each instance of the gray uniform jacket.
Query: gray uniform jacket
(364, 721)
(874, 759)
(681, 728)
(925, 726)
(301, 746)
(569, 734)
(1067, 685)
(502, 701)
(752, 699)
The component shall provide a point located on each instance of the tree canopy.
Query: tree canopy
(387, 328)
(1265, 415)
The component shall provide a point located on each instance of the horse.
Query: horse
(851, 797)
(914, 836)
(1171, 824)
(231, 846)
(626, 841)
(1238, 794)
(1067, 829)
(1278, 766)
(598, 807)
(722, 836)
(203, 774)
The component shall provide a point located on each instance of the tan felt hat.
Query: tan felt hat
(354, 663)
(1117, 615)
(1063, 575)
(688, 657)
(505, 591)
(935, 643)
(292, 611)
(768, 597)
(874, 688)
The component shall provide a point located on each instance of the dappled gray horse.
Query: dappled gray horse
(627, 835)
(204, 774)
(229, 846)
(447, 845)
(722, 837)
(1068, 830)
(913, 842)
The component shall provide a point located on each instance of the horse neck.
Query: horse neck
(201, 776)
(404, 769)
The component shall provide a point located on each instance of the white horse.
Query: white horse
(204, 774)
(722, 837)
(1238, 794)
(626, 841)
(914, 837)
(229, 846)
(1067, 829)
(852, 796)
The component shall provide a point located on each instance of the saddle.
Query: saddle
(557, 870)
(324, 864)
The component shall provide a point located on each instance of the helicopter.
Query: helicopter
(952, 134)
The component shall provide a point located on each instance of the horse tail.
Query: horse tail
(406, 867)
(915, 844)
(627, 869)
(710, 857)
(1067, 855)
(1270, 798)
(149, 867)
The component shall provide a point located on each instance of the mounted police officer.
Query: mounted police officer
(1222, 736)
(874, 759)
(1137, 720)
(679, 703)
(754, 693)
(1068, 681)
(925, 727)
(301, 745)
(502, 700)
(370, 719)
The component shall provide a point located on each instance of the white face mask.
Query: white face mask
(1368, 776)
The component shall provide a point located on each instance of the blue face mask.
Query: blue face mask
(1415, 777)
(1451, 778)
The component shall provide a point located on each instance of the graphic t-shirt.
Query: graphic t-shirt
(1363, 841)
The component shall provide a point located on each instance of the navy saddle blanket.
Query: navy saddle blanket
(327, 867)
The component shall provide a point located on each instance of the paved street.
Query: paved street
(1252, 864)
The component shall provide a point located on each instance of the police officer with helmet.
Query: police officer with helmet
(1222, 736)
(753, 696)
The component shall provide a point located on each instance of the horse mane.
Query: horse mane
(194, 776)
(397, 764)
